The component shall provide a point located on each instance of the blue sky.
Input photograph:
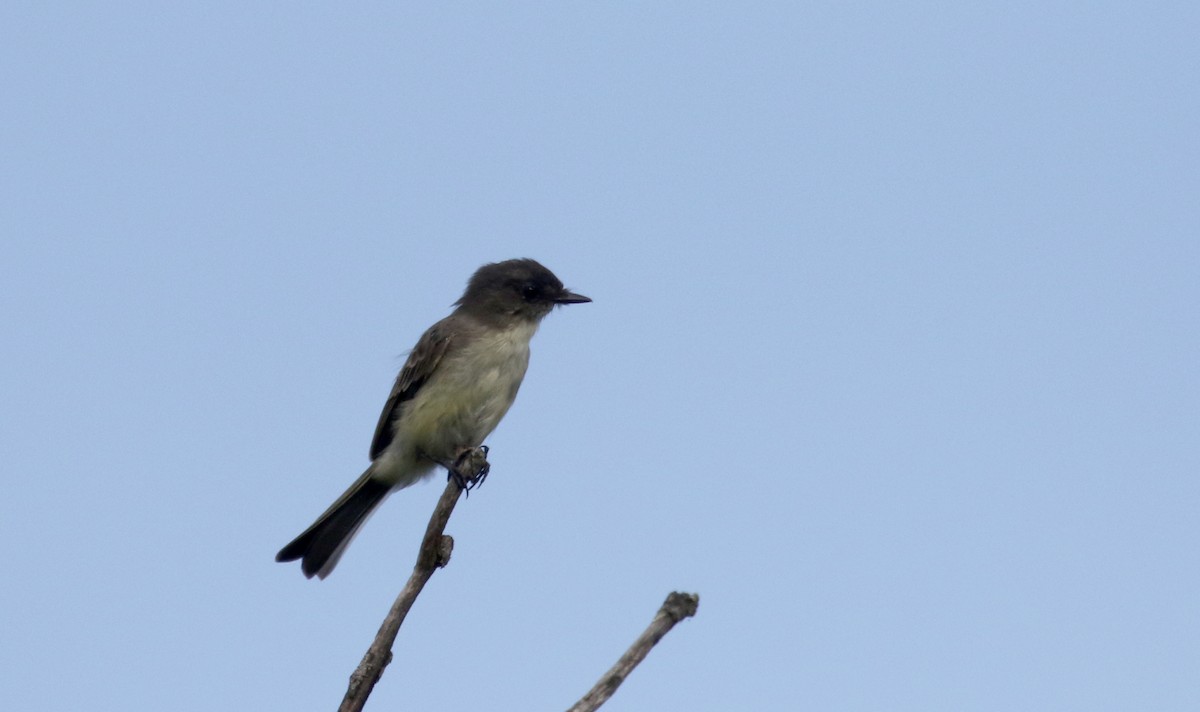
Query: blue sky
(892, 357)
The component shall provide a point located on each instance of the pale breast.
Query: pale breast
(468, 395)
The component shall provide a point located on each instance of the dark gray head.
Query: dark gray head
(515, 287)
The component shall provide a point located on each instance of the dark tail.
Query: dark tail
(322, 544)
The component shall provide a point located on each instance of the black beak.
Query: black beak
(566, 296)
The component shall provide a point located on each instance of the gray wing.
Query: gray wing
(417, 369)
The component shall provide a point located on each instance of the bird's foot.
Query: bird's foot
(470, 468)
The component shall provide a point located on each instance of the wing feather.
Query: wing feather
(421, 363)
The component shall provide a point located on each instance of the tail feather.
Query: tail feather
(321, 545)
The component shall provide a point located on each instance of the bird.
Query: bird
(454, 388)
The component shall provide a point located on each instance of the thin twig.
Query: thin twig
(434, 554)
(677, 607)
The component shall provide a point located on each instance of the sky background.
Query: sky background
(892, 359)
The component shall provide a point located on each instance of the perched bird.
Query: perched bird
(456, 385)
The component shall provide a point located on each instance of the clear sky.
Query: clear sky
(892, 359)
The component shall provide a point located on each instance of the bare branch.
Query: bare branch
(434, 554)
(677, 607)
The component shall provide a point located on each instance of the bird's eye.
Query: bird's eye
(529, 291)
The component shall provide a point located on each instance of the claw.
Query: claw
(463, 484)
(469, 469)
